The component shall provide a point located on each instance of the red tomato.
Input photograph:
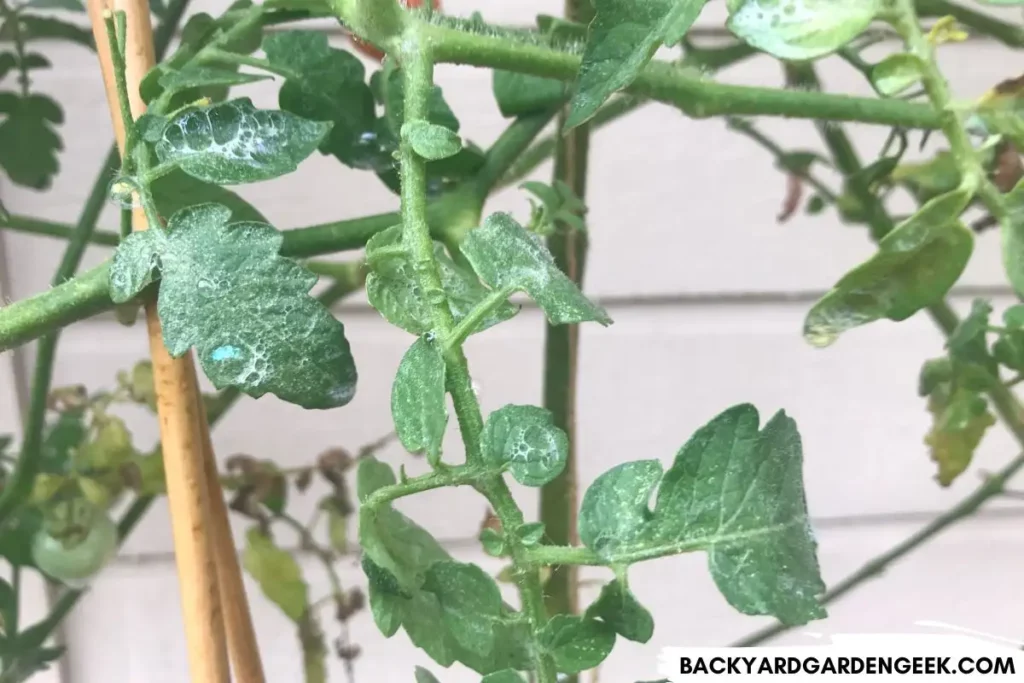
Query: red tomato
(371, 51)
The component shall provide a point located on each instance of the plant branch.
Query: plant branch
(992, 487)
(417, 70)
(668, 83)
(509, 148)
(972, 171)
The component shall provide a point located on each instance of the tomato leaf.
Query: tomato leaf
(430, 141)
(277, 573)
(29, 142)
(801, 29)
(470, 603)
(418, 400)
(620, 42)
(760, 549)
(961, 418)
(525, 439)
(247, 310)
(324, 84)
(916, 264)
(504, 254)
(576, 643)
(619, 608)
(393, 289)
(233, 142)
(1013, 238)
(521, 94)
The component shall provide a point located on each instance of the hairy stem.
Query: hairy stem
(417, 70)
(664, 82)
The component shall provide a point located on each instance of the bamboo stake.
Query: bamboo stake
(245, 654)
(177, 393)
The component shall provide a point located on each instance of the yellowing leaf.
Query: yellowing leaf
(961, 421)
(277, 572)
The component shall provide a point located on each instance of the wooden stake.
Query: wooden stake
(245, 654)
(182, 424)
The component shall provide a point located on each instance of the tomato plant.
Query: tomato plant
(218, 281)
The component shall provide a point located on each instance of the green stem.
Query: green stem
(417, 70)
(218, 56)
(121, 83)
(972, 171)
(559, 499)
(1008, 34)
(509, 147)
(469, 324)
(695, 95)
(992, 487)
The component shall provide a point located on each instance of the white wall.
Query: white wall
(708, 293)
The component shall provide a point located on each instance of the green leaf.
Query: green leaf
(470, 603)
(61, 440)
(802, 29)
(34, 27)
(961, 418)
(526, 440)
(576, 643)
(619, 608)
(968, 341)
(324, 84)
(934, 372)
(177, 190)
(424, 676)
(277, 573)
(493, 542)
(1009, 350)
(29, 142)
(233, 142)
(205, 77)
(530, 534)
(391, 540)
(418, 400)
(247, 310)
(504, 254)
(19, 533)
(1013, 238)
(1014, 316)
(896, 73)
(915, 266)
(521, 94)
(733, 491)
(431, 141)
(397, 556)
(393, 289)
(503, 676)
(621, 41)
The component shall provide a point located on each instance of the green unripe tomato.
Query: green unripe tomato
(74, 561)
